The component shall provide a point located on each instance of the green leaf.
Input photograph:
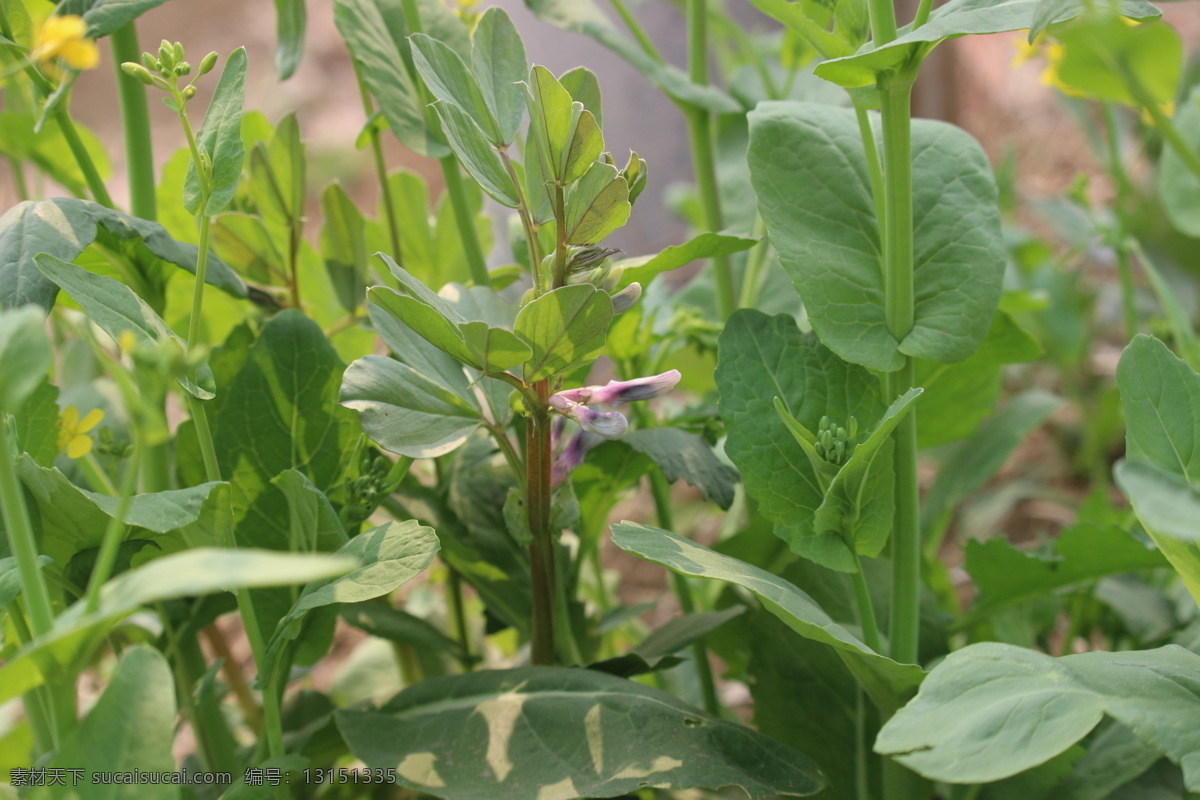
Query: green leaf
(584, 87)
(1165, 503)
(644, 269)
(37, 418)
(955, 18)
(194, 572)
(685, 456)
(806, 159)
(71, 520)
(559, 734)
(597, 205)
(405, 411)
(343, 246)
(1150, 53)
(48, 149)
(310, 513)
(1161, 397)
(130, 729)
(280, 411)
(290, 21)
(277, 183)
(565, 329)
(1178, 186)
(474, 342)
(944, 416)
(375, 33)
(566, 135)
(390, 556)
(64, 227)
(448, 79)
(886, 681)
(971, 463)
(1005, 575)
(10, 579)
(498, 61)
(850, 501)
(1115, 756)
(105, 16)
(991, 710)
(761, 358)
(220, 138)
(411, 349)
(115, 308)
(583, 16)
(244, 242)
(793, 17)
(470, 144)
(25, 357)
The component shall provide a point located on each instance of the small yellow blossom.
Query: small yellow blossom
(72, 431)
(65, 37)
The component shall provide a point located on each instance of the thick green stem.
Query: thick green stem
(923, 9)
(454, 601)
(756, 264)
(699, 125)
(899, 314)
(139, 150)
(874, 170)
(883, 21)
(21, 541)
(457, 193)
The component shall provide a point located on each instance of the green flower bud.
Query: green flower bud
(166, 55)
(189, 92)
(150, 62)
(178, 51)
(138, 72)
(207, 64)
(183, 68)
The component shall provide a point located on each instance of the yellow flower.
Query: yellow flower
(72, 431)
(1026, 50)
(65, 37)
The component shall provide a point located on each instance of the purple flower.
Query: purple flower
(617, 392)
(571, 457)
(609, 424)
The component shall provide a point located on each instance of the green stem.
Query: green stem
(923, 9)
(699, 125)
(37, 703)
(139, 150)
(18, 175)
(639, 33)
(531, 235)
(82, 158)
(385, 189)
(1166, 128)
(456, 191)
(21, 541)
(866, 610)
(899, 314)
(96, 477)
(198, 292)
(756, 264)
(1121, 182)
(883, 21)
(862, 785)
(874, 170)
(114, 534)
(454, 601)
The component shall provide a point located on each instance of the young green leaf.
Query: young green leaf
(565, 329)
(1151, 54)
(498, 62)
(278, 169)
(566, 135)
(584, 88)
(806, 159)
(564, 733)
(448, 79)
(471, 145)
(404, 411)
(597, 205)
(644, 269)
(115, 308)
(220, 138)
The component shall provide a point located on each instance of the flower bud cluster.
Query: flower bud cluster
(164, 69)
(835, 444)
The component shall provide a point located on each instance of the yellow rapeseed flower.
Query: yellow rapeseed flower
(65, 37)
(72, 431)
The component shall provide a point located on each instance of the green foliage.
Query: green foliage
(558, 733)
(220, 143)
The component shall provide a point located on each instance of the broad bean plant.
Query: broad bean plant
(305, 498)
